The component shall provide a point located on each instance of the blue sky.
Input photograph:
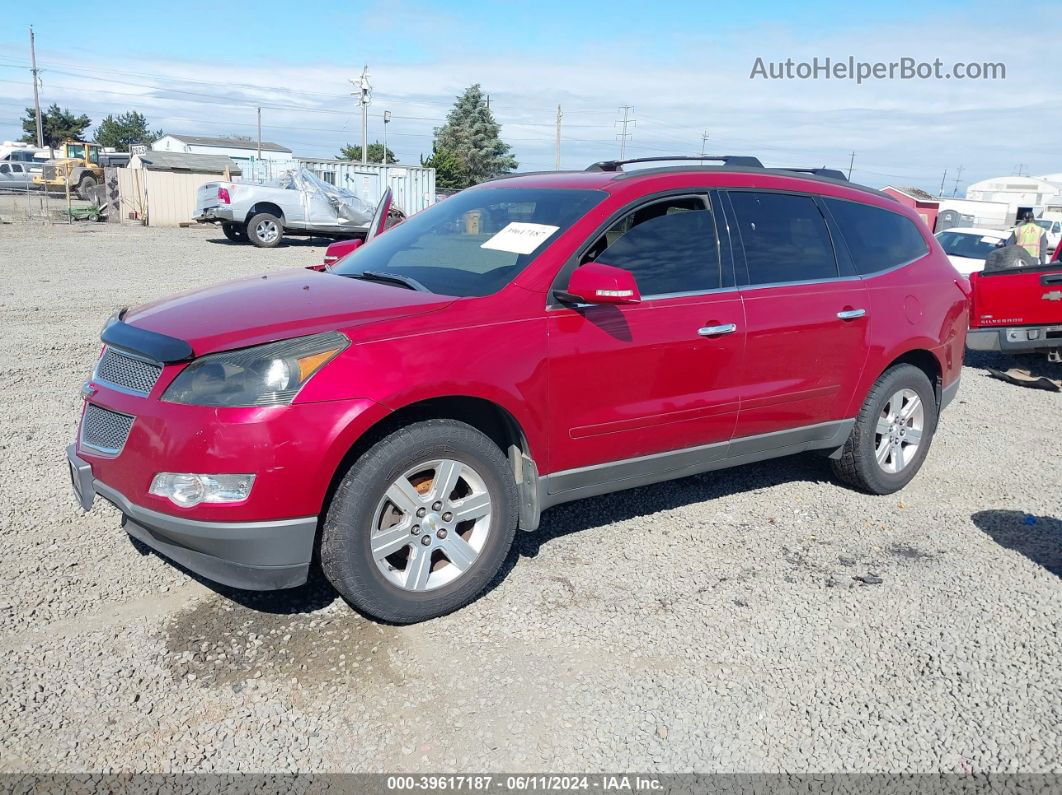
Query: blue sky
(203, 68)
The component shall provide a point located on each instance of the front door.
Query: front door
(805, 316)
(634, 380)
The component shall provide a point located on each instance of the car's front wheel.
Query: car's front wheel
(265, 230)
(421, 522)
(892, 433)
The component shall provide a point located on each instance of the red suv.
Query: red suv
(532, 340)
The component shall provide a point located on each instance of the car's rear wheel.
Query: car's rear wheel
(421, 522)
(265, 230)
(892, 433)
(235, 232)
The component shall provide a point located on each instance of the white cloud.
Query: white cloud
(901, 131)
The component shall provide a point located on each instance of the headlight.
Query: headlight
(266, 375)
(188, 490)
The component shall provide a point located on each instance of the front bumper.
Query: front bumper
(258, 556)
(1015, 339)
(212, 215)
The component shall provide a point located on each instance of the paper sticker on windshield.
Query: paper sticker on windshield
(987, 239)
(520, 238)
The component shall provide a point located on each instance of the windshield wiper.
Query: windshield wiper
(391, 278)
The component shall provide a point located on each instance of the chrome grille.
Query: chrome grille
(126, 372)
(104, 430)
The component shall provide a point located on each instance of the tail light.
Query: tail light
(223, 196)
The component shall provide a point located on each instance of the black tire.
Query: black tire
(258, 229)
(235, 232)
(85, 186)
(346, 554)
(858, 465)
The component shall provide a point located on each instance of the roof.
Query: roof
(183, 161)
(612, 180)
(228, 143)
(978, 230)
(1014, 183)
(914, 193)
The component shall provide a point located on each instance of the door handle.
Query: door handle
(715, 331)
(851, 314)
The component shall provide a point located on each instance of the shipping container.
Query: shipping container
(413, 187)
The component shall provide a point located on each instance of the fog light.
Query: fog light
(187, 490)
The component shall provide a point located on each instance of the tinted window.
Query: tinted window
(784, 237)
(668, 246)
(878, 239)
(964, 244)
(473, 243)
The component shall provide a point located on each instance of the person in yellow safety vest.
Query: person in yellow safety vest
(1031, 237)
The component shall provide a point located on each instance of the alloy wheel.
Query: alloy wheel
(267, 231)
(898, 433)
(431, 524)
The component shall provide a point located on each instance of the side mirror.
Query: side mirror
(597, 283)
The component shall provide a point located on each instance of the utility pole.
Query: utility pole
(704, 142)
(387, 120)
(556, 154)
(36, 95)
(851, 161)
(625, 121)
(955, 189)
(259, 135)
(941, 191)
(364, 95)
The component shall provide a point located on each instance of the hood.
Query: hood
(273, 307)
(966, 265)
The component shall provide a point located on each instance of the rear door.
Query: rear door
(806, 320)
(632, 380)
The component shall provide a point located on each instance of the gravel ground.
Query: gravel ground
(711, 624)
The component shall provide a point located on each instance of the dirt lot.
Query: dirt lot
(708, 624)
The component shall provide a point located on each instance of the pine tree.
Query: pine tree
(447, 172)
(471, 137)
(59, 125)
(125, 129)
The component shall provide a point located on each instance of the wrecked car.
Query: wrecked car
(298, 203)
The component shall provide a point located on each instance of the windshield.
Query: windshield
(1044, 225)
(75, 150)
(474, 243)
(963, 244)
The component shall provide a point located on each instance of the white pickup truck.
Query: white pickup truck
(299, 203)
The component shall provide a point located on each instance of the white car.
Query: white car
(967, 246)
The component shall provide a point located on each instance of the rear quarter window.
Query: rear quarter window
(877, 239)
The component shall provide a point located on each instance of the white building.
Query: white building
(243, 152)
(1019, 193)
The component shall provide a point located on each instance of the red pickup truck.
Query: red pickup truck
(1018, 310)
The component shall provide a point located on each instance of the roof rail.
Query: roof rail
(829, 173)
(727, 160)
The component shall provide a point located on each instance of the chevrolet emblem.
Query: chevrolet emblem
(1054, 295)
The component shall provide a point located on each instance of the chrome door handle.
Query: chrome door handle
(715, 331)
(851, 314)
